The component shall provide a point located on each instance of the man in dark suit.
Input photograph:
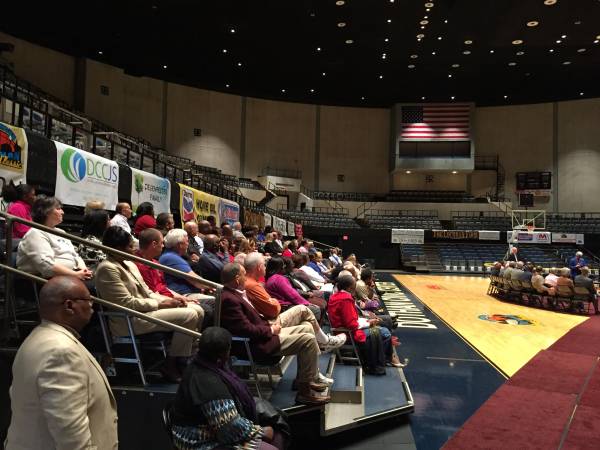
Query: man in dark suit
(576, 263)
(211, 263)
(239, 316)
(584, 280)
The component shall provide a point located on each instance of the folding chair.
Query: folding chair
(581, 294)
(254, 366)
(564, 296)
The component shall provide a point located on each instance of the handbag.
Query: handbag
(269, 415)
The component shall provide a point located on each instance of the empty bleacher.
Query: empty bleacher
(481, 220)
(411, 219)
(429, 196)
(574, 222)
(320, 217)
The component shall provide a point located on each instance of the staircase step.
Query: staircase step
(348, 386)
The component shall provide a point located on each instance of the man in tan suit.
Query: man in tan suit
(60, 396)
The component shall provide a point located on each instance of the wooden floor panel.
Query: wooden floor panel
(459, 301)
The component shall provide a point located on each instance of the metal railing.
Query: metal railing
(10, 309)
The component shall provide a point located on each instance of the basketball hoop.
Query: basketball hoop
(530, 228)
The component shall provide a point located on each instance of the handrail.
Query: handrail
(10, 218)
(124, 309)
(322, 243)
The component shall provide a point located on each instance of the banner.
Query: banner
(196, 205)
(82, 177)
(298, 231)
(535, 237)
(486, 235)
(290, 229)
(268, 220)
(455, 234)
(568, 238)
(279, 225)
(147, 187)
(400, 236)
(229, 212)
(13, 154)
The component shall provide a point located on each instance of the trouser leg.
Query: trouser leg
(300, 341)
(181, 344)
(297, 315)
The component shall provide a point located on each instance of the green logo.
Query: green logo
(73, 165)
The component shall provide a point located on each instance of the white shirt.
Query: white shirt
(312, 274)
(120, 221)
(200, 243)
(335, 259)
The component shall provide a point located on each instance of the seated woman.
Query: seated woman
(95, 224)
(374, 341)
(551, 278)
(45, 254)
(565, 278)
(144, 218)
(368, 302)
(213, 408)
(20, 199)
(537, 281)
(305, 287)
(279, 287)
(119, 281)
(290, 249)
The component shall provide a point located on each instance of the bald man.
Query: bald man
(60, 396)
(121, 218)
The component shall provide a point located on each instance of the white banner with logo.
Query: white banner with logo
(524, 237)
(82, 177)
(400, 236)
(279, 224)
(568, 238)
(268, 220)
(487, 235)
(147, 187)
(291, 229)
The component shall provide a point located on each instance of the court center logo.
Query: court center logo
(507, 319)
(73, 165)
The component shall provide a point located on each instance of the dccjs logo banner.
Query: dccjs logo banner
(83, 177)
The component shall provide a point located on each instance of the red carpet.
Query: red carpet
(553, 402)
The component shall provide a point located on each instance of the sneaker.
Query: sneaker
(334, 342)
(324, 380)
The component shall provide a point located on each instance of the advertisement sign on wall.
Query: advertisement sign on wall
(268, 220)
(535, 237)
(82, 177)
(229, 212)
(196, 205)
(487, 235)
(279, 225)
(147, 187)
(290, 229)
(400, 236)
(568, 238)
(13, 153)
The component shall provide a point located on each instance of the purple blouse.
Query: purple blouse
(279, 287)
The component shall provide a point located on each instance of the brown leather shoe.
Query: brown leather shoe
(309, 397)
(314, 385)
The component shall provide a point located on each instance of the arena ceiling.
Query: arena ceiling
(352, 52)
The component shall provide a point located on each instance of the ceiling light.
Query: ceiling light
(224, 50)
(381, 77)
(100, 52)
(467, 52)
(386, 40)
(455, 65)
(566, 63)
(452, 98)
(512, 64)
(411, 66)
(362, 98)
(549, 2)
(581, 50)
(449, 75)
(558, 41)
(420, 36)
(414, 56)
(517, 42)
(454, 172)
(226, 85)
(439, 38)
(427, 10)
(505, 97)
(323, 73)
(491, 51)
(318, 49)
(389, 21)
(283, 91)
(564, 36)
(424, 22)
(419, 40)
(581, 93)
(408, 172)
(425, 17)
(239, 64)
(422, 28)
(433, 53)
(422, 98)
(429, 5)
(340, 2)
(349, 41)
(596, 41)
(468, 42)
(551, 50)
(341, 24)
(520, 53)
(232, 30)
(598, 37)
(577, 22)
(391, 1)
(533, 23)
(312, 90)
(445, 21)
(165, 66)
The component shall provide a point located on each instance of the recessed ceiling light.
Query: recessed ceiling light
(566, 63)
(389, 21)
(226, 85)
(341, 24)
(598, 37)
(340, 2)
(323, 73)
(420, 36)
(418, 39)
(386, 40)
(414, 56)
(224, 50)
(558, 41)
(424, 22)
(533, 23)
(318, 49)
(100, 52)
(491, 51)
(455, 65)
(467, 52)
(454, 172)
(422, 98)
(433, 53)
(391, 1)
(445, 21)
(520, 53)
(549, 2)
(551, 50)
(422, 27)
(581, 93)
(577, 22)
(425, 17)
(408, 172)
(165, 66)
(349, 41)
(427, 10)
(381, 77)
(468, 42)
(232, 30)
(239, 64)
(452, 98)
(439, 38)
(564, 36)
(312, 90)
(512, 64)
(283, 91)
(411, 66)
(449, 75)
(505, 97)
(517, 41)
(429, 5)
(596, 41)
(581, 50)
(154, 7)
(362, 98)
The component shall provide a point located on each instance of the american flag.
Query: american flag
(444, 121)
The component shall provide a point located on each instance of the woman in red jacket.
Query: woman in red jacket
(342, 312)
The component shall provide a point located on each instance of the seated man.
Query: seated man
(176, 243)
(150, 248)
(537, 281)
(515, 273)
(212, 261)
(342, 314)
(584, 280)
(165, 223)
(524, 274)
(510, 266)
(367, 300)
(266, 340)
(495, 271)
(551, 278)
(270, 308)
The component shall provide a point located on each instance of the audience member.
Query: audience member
(121, 218)
(516, 271)
(303, 248)
(342, 314)
(204, 228)
(565, 278)
(334, 257)
(119, 281)
(290, 249)
(576, 263)
(165, 223)
(537, 281)
(60, 396)
(211, 262)
(510, 266)
(551, 278)
(144, 218)
(309, 270)
(496, 268)
(45, 254)
(583, 280)
(92, 205)
(271, 246)
(266, 340)
(213, 408)
(95, 224)
(512, 254)
(20, 199)
(237, 230)
(195, 245)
